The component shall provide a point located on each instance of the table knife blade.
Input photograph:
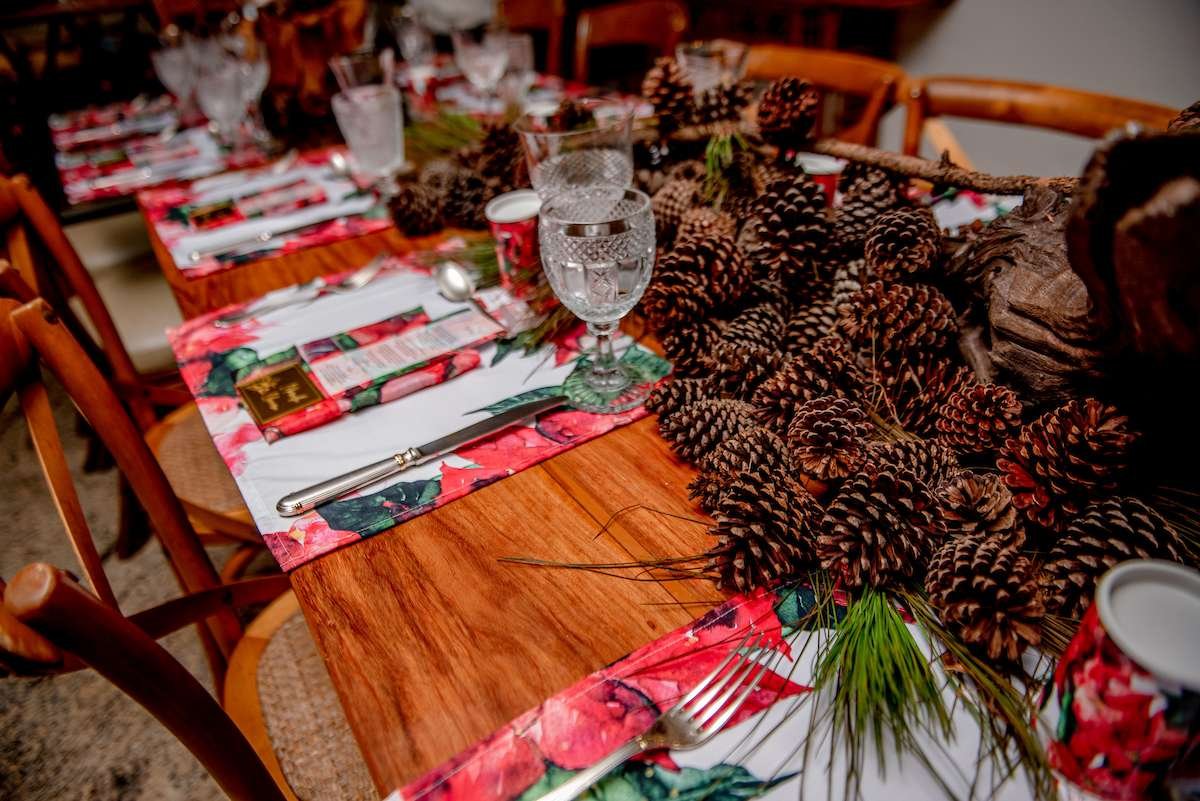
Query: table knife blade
(306, 499)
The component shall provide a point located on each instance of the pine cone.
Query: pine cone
(808, 326)
(498, 157)
(1188, 119)
(764, 534)
(903, 243)
(670, 93)
(437, 175)
(464, 200)
(675, 393)
(986, 593)
(848, 279)
(688, 170)
(752, 454)
(866, 194)
(669, 204)
(792, 229)
(703, 221)
(739, 368)
(978, 418)
(1063, 459)
(929, 462)
(826, 369)
(1106, 533)
(675, 300)
(917, 392)
(826, 437)
(979, 503)
(787, 113)
(744, 184)
(759, 326)
(716, 259)
(892, 323)
(696, 429)
(687, 346)
(416, 209)
(879, 530)
(723, 103)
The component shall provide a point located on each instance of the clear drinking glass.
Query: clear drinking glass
(173, 66)
(482, 56)
(221, 94)
(416, 48)
(592, 147)
(519, 77)
(708, 64)
(597, 246)
(359, 69)
(371, 122)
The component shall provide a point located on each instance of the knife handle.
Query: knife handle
(300, 502)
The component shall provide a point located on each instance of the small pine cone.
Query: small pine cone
(723, 103)
(848, 278)
(437, 175)
(979, 418)
(670, 93)
(675, 393)
(466, 196)
(787, 112)
(1106, 533)
(571, 115)
(932, 463)
(753, 454)
(703, 221)
(879, 530)
(903, 243)
(767, 293)
(979, 503)
(670, 203)
(826, 437)
(764, 534)
(739, 368)
(986, 593)
(498, 155)
(826, 369)
(808, 326)
(744, 185)
(676, 299)
(724, 273)
(759, 326)
(687, 347)
(696, 429)
(1065, 458)
(893, 322)
(917, 392)
(866, 194)
(1187, 120)
(689, 170)
(416, 209)
(792, 229)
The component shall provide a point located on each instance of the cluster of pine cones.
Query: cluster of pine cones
(454, 192)
(819, 388)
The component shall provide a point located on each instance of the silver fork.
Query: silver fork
(308, 292)
(693, 721)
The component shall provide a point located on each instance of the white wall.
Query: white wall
(1145, 49)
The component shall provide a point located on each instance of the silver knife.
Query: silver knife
(310, 497)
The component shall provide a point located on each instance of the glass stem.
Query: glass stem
(605, 363)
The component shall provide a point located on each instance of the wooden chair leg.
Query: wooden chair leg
(236, 565)
(133, 526)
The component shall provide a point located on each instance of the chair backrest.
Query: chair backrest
(1057, 108)
(51, 267)
(656, 24)
(857, 90)
(539, 15)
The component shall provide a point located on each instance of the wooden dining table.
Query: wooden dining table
(431, 640)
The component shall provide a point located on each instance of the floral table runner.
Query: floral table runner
(760, 753)
(210, 358)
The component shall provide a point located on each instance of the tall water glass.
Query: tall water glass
(597, 246)
(519, 76)
(593, 146)
(221, 94)
(174, 68)
(371, 122)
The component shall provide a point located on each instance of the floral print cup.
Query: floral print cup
(513, 219)
(1127, 689)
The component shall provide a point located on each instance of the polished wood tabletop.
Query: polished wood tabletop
(431, 641)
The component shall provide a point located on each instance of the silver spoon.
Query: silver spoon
(308, 292)
(454, 281)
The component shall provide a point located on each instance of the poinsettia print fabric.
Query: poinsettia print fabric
(211, 359)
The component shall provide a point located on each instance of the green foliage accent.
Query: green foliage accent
(641, 781)
(719, 154)
(440, 136)
(378, 512)
(504, 405)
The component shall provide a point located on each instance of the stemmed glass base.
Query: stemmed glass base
(611, 386)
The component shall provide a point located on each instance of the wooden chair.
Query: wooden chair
(543, 17)
(1056, 108)
(198, 475)
(655, 24)
(858, 90)
(50, 623)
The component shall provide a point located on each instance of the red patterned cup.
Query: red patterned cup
(1126, 692)
(824, 170)
(513, 218)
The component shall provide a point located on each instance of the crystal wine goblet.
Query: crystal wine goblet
(371, 122)
(592, 144)
(175, 70)
(417, 49)
(519, 76)
(221, 93)
(482, 56)
(597, 246)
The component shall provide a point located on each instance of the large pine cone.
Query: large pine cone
(893, 323)
(466, 196)
(703, 221)
(498, 157)
(848, 278)
(986, 593)
(738, 369)
(1063, 459)
(902, 243)
(670, 93)
(808, 326)
(916, 393)
(744, 183)
(696, 429)
(787, 112)
(416, 209)
(688, 346)
(879, 530)
(675, 393)
(764, 534)
(1107, 533)
(826, 437)
(792, 229)
(866, 194)
(669, 204)
(979, 418)
(723, 103)
(979, 503)
(932, 463)
(826, 369)
(677, 299)
(759, 326)
(716, 259)
(752, 454)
